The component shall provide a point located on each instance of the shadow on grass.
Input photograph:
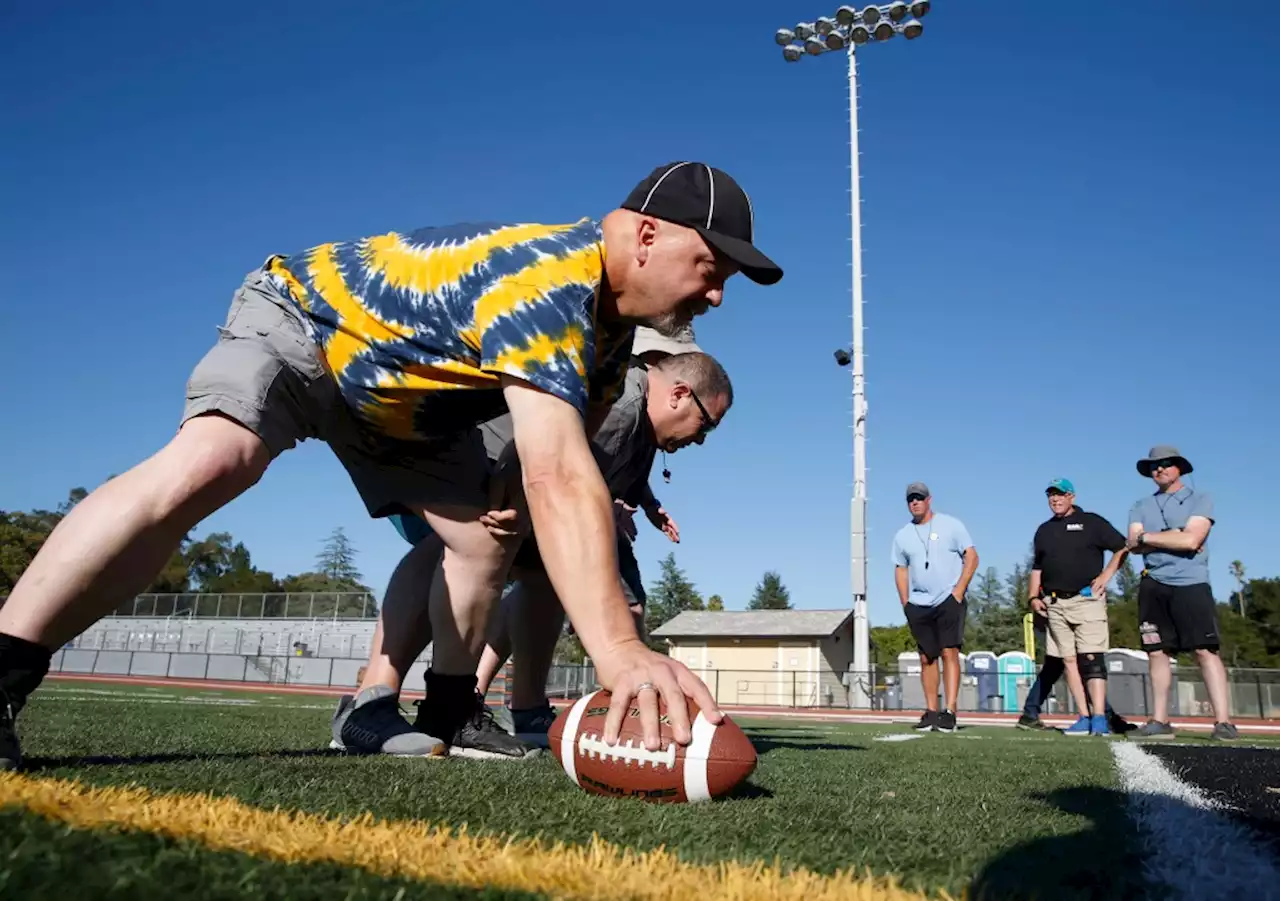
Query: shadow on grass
(765, 745)
(1103, 861)
(36, 764)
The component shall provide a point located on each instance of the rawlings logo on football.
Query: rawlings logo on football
(592, 745)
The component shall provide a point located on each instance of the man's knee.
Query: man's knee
(1092, 667)
(1207, 655)
(211, 461)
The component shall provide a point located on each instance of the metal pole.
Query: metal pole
(858, 503)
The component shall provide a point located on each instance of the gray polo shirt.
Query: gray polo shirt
(624, 446)
(1162, 512)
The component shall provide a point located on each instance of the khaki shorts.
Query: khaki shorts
(1078, 625)
(267, 374)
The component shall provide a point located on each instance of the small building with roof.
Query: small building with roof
(767, 657)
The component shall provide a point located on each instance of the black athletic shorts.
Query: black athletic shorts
(1177, 617)
(938, 627)
(528, 557)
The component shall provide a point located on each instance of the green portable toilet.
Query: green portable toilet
(1017, 672)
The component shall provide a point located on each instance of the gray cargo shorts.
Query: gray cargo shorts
(268, 374)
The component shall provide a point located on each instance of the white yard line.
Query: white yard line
(1190, 842)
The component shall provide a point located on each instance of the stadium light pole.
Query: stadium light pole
(849, 29)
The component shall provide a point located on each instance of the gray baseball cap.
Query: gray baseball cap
(918, 488)
(648, 340)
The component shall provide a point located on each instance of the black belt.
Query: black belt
(1059, 595)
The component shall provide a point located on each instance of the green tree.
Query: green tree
(1127, 581)
(1237, 573)
(887, 642)
(986, 594)
(669, 596)
(337, 559)
(770, 594)
(716, 603)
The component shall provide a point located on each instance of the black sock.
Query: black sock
(23, 665)
(455, 696)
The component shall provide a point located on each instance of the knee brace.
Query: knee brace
(1091, 667)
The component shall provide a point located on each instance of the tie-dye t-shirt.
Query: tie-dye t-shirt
(417, 327)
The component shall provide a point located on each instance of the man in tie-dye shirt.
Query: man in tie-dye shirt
(390, 349)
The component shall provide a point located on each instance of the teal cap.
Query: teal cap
(1063, 485)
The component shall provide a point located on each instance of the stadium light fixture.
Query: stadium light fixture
(850, 30)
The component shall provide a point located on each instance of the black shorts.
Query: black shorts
(1177, 617)
(938, 627)
(528, 557)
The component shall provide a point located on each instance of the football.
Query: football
(716, 762)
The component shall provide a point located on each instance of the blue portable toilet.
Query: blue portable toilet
(1017, 670)
(983, 668)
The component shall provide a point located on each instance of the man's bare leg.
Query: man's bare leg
(951, 677)
(114, 542)
(1161, 681)
(405, 616)
(464, 592)
(929, 680)
(1215, 682)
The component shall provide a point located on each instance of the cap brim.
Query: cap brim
(750, 261)
(1184, 465)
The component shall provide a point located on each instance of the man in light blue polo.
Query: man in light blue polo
(1176, 608)
(934, 560)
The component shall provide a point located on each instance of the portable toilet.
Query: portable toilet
(1017, 673)
(909, 677)
(1128, 682)
(982, 668)
(967, 698)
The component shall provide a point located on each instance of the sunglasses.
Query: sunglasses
(1162, 464)
(1054, 492)
(913, 498)
(708, 424)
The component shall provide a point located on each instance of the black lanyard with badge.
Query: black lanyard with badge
(924, 541)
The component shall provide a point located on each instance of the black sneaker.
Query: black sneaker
(946, 722)
(470, 732)
(372, 724)
(1154, 729)
(1225, 732)
(10, 753)
(928, 722)
(1119, 725)
(1031, 723)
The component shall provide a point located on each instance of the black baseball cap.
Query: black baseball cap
(711, 203)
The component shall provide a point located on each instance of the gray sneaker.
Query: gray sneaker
(373, 724)
(339, 717)
(1225, 732)
(1153, 729)
(532, 725)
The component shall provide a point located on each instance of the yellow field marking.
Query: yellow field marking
(598, 871)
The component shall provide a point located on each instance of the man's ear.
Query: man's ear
(646, 235)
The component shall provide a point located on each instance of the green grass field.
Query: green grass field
(986, 812)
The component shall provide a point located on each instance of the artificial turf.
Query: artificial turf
(986, 812)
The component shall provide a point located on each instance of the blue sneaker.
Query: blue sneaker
(1082, 726)
(1101, 727)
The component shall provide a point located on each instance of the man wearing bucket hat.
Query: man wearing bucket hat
(673, 396)
(1176, 610)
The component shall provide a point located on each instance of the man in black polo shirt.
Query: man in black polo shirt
(1068, 591)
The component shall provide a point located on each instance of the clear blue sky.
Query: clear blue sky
(1066, 228)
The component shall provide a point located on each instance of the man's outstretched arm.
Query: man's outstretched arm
(572, 516)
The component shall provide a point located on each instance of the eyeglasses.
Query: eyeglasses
(1162, 464)
(708, 424)
(914, 498)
